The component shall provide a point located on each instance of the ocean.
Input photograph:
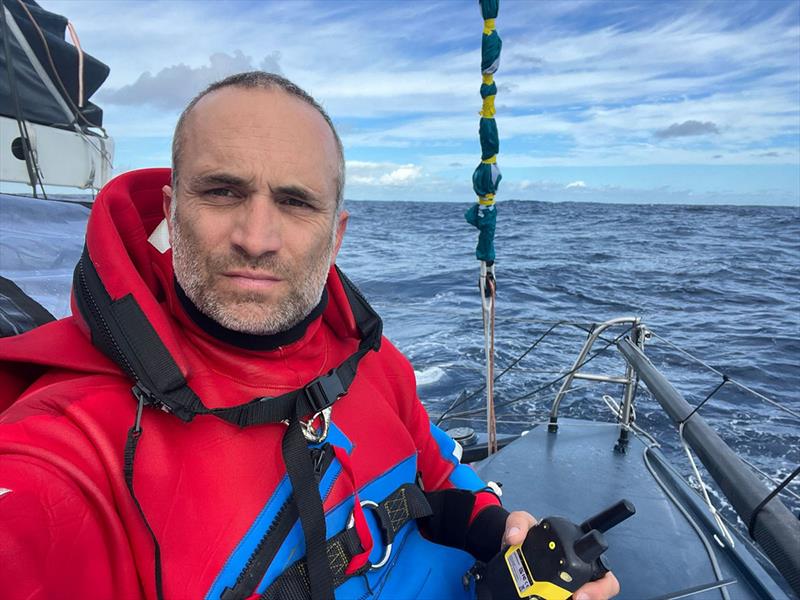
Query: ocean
(720, 282)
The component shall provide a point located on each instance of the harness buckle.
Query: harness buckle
(377, 508)
(324, 391)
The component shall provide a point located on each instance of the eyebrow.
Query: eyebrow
(220, 179)
(296, 191)
(227, 179)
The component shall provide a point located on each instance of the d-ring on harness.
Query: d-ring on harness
(388, 552)
(122, 331)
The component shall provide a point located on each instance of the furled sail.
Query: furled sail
(486, 177)
(50, 132)
(483, 214)
(52, 78)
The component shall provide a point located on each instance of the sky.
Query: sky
(683, 102)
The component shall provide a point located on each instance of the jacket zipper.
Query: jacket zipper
(98, 317)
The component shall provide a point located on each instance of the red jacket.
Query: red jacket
(69, 527)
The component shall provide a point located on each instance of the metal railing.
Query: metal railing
(628, 380)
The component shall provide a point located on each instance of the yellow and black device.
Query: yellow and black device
(556, 558)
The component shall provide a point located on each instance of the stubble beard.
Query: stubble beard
(247, 312)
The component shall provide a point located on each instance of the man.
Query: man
(232, 317)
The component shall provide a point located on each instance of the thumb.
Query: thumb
(517, 526)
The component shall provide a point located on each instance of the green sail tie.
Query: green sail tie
(487, 176)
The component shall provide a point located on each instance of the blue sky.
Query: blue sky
(681, 102)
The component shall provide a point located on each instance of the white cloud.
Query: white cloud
(575, 184)
(401, 175)
(381, 174)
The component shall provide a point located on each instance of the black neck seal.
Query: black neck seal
(249, 341)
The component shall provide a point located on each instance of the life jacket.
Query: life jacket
(358, 477)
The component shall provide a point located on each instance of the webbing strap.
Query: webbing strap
(294, 582)
(406, 503)
(130, 452)
(309, 506)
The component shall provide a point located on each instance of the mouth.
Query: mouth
(252, 279)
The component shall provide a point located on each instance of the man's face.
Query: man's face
(253, 222)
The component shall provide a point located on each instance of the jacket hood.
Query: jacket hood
(132, 258)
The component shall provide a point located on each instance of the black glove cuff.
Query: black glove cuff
(485, 534)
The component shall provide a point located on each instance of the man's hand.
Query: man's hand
(517, 526)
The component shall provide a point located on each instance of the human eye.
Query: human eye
(220, 192)
(295, 202)
(223, 196)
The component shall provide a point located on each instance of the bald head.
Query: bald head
(256, 80)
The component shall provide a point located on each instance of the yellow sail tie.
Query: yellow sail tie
(488, 107)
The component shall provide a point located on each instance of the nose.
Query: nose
(258, 228)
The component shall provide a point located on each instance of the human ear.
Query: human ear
(166, 194)
(341, 227)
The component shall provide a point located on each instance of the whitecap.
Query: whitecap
(429, 375)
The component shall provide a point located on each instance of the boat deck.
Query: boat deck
(576, 473)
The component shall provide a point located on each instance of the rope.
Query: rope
(75, 110)
(488, 291)
(77, 43)
(766, 475)
(708, 547)
(713, 509)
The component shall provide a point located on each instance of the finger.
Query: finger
(517, 525)
(605, 587)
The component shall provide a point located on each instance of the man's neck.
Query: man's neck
(249, 341)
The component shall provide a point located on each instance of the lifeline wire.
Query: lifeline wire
(752, 522)
(461, 400)
(473, 412)
(725, 379)
(733, 381)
